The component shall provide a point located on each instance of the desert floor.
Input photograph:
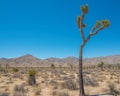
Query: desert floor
(59, 82)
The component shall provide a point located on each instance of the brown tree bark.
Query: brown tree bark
(81, 83)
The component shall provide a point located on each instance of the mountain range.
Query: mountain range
(31, 61)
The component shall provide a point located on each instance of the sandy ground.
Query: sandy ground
(44, 87)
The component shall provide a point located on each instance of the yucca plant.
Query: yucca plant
(15, 69)
(101, 65)
(31, 77)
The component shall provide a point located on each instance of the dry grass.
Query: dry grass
(58, 82)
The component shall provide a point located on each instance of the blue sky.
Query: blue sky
(47, 28)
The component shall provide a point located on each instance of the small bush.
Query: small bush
(70, 84)
(15, 69)
(63, 94)
(53, 83)
(90, 82)
(31, 78)
(19, 90)
(113, 90)
(52, 66)
(32, 72)
(4, 94)
(38, 92)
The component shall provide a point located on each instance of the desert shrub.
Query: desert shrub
(53, 83)
(70, 84)
(17, 75)
(63, 94)
(72, 76)
(90, 82)
(19, 90)
(66, 78)
(15, 69)
(31, 78)
(22, 71)
(4, 94)
(54, 93)
(18, 94)
(3, 70)
(32, 72)
(38, 92)
(101, 65)
(113, 90)
(52, 66)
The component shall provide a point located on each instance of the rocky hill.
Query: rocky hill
(31, 61)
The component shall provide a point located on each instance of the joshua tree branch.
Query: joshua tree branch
(81, 27)
(93, 29)
(92, 34)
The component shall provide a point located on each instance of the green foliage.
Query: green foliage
(103, 23)
(84, 9)
(98, 24)
(52, 66)
(15, 69)
(101, 64)
(31, 77)
(78, 20)
(32, 72)
(106, 23)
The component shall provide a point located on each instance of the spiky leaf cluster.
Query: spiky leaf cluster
(15, 69)
(101, 64)
(105, 23)
(78, 20)
(98, 24)
(84, 9)
(32, 72)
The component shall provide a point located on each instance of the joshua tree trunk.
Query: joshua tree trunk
(32, 80)
(81, 83)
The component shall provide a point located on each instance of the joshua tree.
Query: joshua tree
(52, 66)
(100, 25)
(15, 70)
(101, 65)
(0, 66)
(31, 78)
(7, 66)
